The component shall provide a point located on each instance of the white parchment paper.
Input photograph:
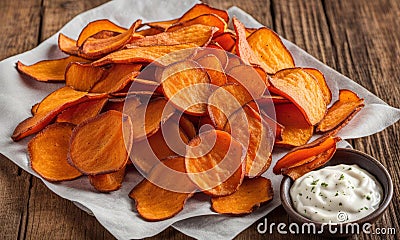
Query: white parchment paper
(115, 211)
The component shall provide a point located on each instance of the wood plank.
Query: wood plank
(20, 25)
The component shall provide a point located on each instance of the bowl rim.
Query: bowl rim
(287, 202)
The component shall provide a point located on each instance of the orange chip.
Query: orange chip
(254, 133)
(197, 34)
(147, 118)
(48, 70)
(313, 162)
(116, 78)
(187, 127)
(154, 203)
(227, 40)
(211, 20)
(67, 45)
(49, 108)
(224, 101)
(48, 153)
(213, 49)
(98, 47)
(95, 27)
(319, 76)
(250, 195)
(82, 77)
(200, 9)
(108, 182)
(187, 87)
(297, 130)
(101, 144)
(214, 68)
(149, 32)
(117, 104)
(303, 90)
(148, 152)
(248, 77)
(82, 111)
(149, 54)
(34, 108)
(341, 111)
(305, 154)
(270, 50)
(215, 162)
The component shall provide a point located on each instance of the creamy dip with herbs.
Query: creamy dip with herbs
(340, 193)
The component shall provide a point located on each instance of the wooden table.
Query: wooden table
(357, 38)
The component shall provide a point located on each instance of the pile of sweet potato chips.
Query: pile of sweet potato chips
(202, 79)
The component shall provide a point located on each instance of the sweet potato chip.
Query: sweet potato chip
(101, 144)
(48, 70)
(256, 136)
(200, 9)
(97, 47)
(248, 77)
(117, 104)
(95, 27)
(304, 154)
(48, 153)
(297, 130)
(82, 77)
(187, 127)
(147, 118)
(116, 78)
(226, 40)
(49, 108)
(108, 182)
(319, 76)
(149, 54)
(148, 152)
(67, 45)
(215, 162)
(303, 90)
(82, 111)
(215, 50)
(250, 195)
(270, 50)
(197, 34)
(341, 111)
(154, 203)
(224, 101)
(214, 68)
(149, 32)
(316, 162)
(187, 86)
(206, 20)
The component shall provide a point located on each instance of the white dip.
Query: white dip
(340, 193)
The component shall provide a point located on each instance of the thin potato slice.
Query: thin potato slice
(116, 78)
(149, 54)
(297, 130)
(187, 127)
(161, 25)
(215, 163)
(80, 112)
(117, 104)
(187, 86)
(200, 9)
(95, 27)
(48, 70)
(108, 182)
(214, 68)
(270, 50)
(49, 108)
(98, 47)
(147, 118)
(304, 154)
(341, 111)
(197, 34)
(206, 20)
(154, 203)
(303, 90)
(226, 40)
(213, 49)
(253, 133)
(224, 101)
(82, 77)
(250, 195)
(101, 144)
(248, 77)
(67, 45)
(319, 76)
(48, 153)
(316, 162)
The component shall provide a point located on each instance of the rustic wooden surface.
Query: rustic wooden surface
(358, 38)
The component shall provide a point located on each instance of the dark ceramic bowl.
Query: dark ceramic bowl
(344, 156)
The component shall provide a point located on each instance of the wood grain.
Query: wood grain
(358, 38)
